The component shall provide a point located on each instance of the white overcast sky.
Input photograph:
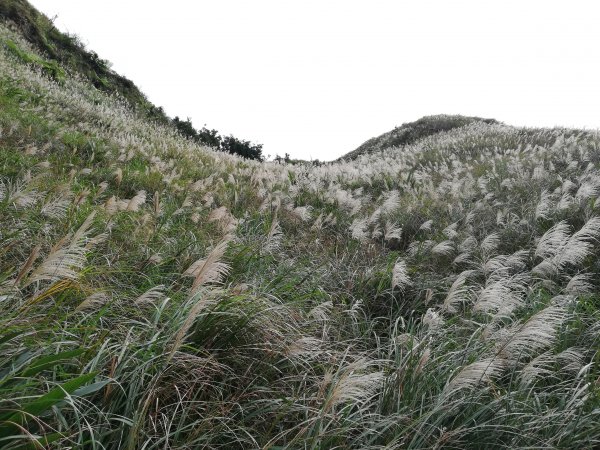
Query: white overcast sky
(316, 78)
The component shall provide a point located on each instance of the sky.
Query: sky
(317, 78)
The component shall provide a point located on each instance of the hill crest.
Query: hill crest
(410, 132)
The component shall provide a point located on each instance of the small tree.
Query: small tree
(231, 144)
(186, 128)
(209, 137)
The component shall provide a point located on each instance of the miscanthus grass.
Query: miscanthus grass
(157, 294)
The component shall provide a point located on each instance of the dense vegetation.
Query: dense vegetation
(211, 138)
(155, 293)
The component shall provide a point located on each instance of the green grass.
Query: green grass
(50, 67)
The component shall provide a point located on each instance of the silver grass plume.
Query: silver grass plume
(358, 229)
(543, 210)
(110, 206)
(392, 202)
(490, 244)
(538, 333)
(318, 223)
(57, 208)
(118, 174)
(210, 270)
(93, 302)
(321, 312)
(580, 245)
(469, 245)
(450, 231)
(305, 347)
(444, 248)
(552, 240)
(102, 187)
(501, 297)
(20, 194)
(354, 384)
(274, 237)
(82, 232)
(28, 264)
(377, 232)
(432, 320)
(542, 366)
(579, 284)
(303, 213)
(503, 265)
(64, 261)
(474, 374)
(151, 295)
(224, 219)
(458, 292)
(391, 231)
(571, 360)
(588, 189)
(560, 250)
(137, 201)
(375, 216)
(420, 247)
(400, 277)
(426, 226)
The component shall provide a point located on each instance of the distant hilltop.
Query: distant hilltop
(409, 133)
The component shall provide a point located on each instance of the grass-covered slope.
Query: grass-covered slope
(410, 133)
(155, 294)
(60, 54)
(67, 51)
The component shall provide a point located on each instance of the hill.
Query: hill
(156, 293)
(67, 51)
(409, 133)
(61, 53)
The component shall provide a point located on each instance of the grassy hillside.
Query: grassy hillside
(410, 133)
(70, 53)
(58, 54)
(157, 294)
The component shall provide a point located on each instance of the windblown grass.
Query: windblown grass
(156, 294)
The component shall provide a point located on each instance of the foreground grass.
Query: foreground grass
(156, 294)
